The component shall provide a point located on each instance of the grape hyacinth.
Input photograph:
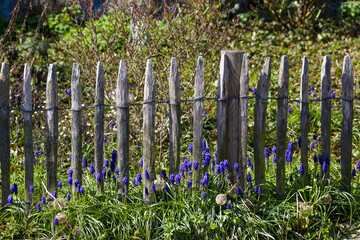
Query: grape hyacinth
(177, 179)
(15, 189)
(38, 208)
(153, 189)
(353, 172)
(141, 162)
(68, 197)
(228, 206)
(113, 155)
(92, 169)
(220, 184)
(254, 90)
(106, 163)
(203, 145)
(190, 148)
(358, 165)
(85, 162)
(196, 165)
(321, 161)
(315, 158)
(70, 172)
(82, 190)
(267, 154)
(76, 182)
(10, 199)
(56, 221)
(248, 178)
(98, 178)
(301, 169)
(204, 195)
(147, 176)
(172, 179)
(236, 167)
(125, 181)
(312, 145)
(299, 142)
(117, 171)
(103, 173)
(189, 183)
(70, 181)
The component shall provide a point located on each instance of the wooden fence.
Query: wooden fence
(232, 121)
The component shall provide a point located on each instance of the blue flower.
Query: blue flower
(190, 148)
(163, 174)
(138, 178)
(248, 178)
(358, 165)
(70, 172)
(10, 200)
(173, 9)
(220, 184)
(226, 165)
(113, 155)
(141, 162)
(98, 178)
(106, 163)
(321, 161)
(207, 159)
(15, 189)
(203, 145)
(104, 139)
(324, 168)
(68, 92)
(297, 104)
(254, 90)
(147, 176)
(68, 197)
(41, 152)
(291, 146)
(301, 169)
(109, 174)
(153, 189)
(238, 176)
(70, 157)
(117, 171)
(273, 149)
(299, 142)
(317, 139)
(43, 200)
(312, 145)
(146, 192)
(11, 189)
(327, 160)
(267, 154)
(166, 189)
(70, 181)
(103, 173)
(315, 158)
(112, 165)
(274, 158)
(76, 182)
(56, 221)
(228, 206)
(92, 169)
(177, 179)
(85, 162)
(289, 110)
(218, 169)
(38, 208)
(204, 195)
(236, 167)
(112, 124)
(37, 153)
(250, 185)
(31, 188)
(353, 172)
(196, 165)
(332, 95)
(312, 88)
(125, 181)
(172, 179)
(82, 190)
(189, 183)
(228, 177)
(249, 163)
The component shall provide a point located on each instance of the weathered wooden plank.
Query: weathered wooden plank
(122, 117)
(262, 94)
(149, 132)
(304, 120)
(28, 139)
(347, 123)
(222, 96)
(5, 132)
(244, 93)
(326, 110)
(198, 114)
(52, 128)
(76, 142)
(233, 115)
(281, 128)
(174, 116)
(99, 124)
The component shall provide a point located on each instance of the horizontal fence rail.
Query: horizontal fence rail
(232, 123)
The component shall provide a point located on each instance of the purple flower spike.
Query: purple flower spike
(68, 92)
(228, 206)
(68, 197)
(92, 169)
(204, 195)
(190, 148)
(254, 90)
(301, 169)
(56, 221)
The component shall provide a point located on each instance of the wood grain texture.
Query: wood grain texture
(99, 123)
(5, 132)
(28, 139)
(281, 127)
(52, 128)
(122, 118)
(149, 131)
(347, 123)
(233, 109)
(222, 109)
(76, 134)
(244, 117)
(198, 109)
(305, 118)
(326, 110)
(174, 116)
(262, 93)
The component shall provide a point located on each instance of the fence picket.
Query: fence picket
(347, 123)
(174, 115)
(28, 138)
(99, 124)
(149, 132)
(51, 128)
(326, 111)
(304, 120)
(233, 115)
(281, 128)
(76, 142)
(222, 109)
(122, 118)
(5, 132)
(244, 91)
(198, 114)
(262, 93)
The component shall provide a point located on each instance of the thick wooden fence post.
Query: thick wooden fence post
(99, 124)
(262, 94)
(175, 114)
(51, 128)
(76, 143)
(149, 133)
(122, 118)
(233, 115)
(5, 132)
(222, 109)
(281, 128)
(28, 139)
(198, 114)
(304, 120)
(347, 122)
(326, 111)
(244, 101)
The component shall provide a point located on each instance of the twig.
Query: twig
(52, 196)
